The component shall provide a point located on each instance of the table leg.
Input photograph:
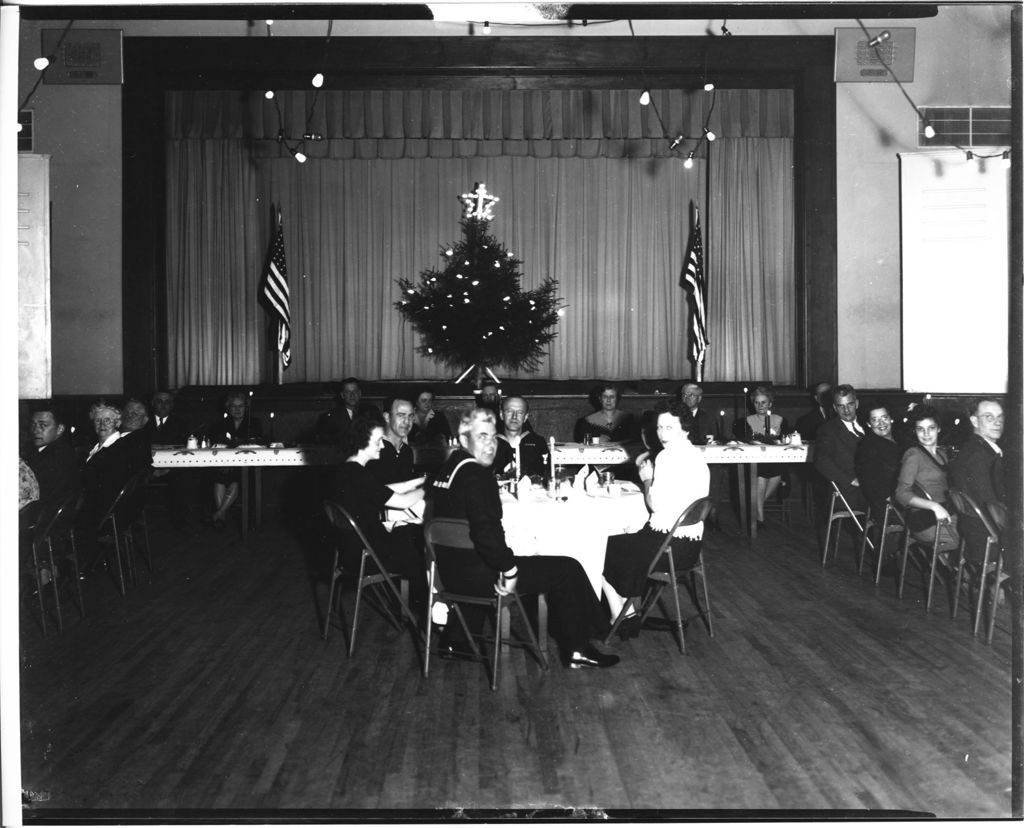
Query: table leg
(741, 495)
(752, 471)
(245, 501)
(257, 503)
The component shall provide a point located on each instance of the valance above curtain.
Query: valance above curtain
(592, 123)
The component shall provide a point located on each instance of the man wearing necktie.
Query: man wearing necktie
(834, 449)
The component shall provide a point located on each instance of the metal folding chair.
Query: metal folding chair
(454, 533)
(56, 530)
(893, 523)
(837, 514)
(931, 560)
(662, 573)
(967, 507)
(374, 579)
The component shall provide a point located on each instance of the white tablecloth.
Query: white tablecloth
(577, 527)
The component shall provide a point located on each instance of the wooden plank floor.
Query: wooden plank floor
(208, 689)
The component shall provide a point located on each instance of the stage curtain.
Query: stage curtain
(587, 197)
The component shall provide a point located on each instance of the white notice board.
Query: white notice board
(955, 260)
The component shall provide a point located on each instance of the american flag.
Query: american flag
(693, 280)
(275, 291)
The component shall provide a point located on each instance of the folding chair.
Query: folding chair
(453, 533)
(966, 506)
(837, 514)
(662, 573)
(120, 521)
(931, 561)
(50, 531)
(391, 601)
(893, 523)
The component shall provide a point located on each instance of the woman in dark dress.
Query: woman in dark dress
(238, 428)
(925, 465)
(763, 427)
(608, 423)
(429, 425)
(364, 497)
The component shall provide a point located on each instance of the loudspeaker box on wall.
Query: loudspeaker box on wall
(83, 56)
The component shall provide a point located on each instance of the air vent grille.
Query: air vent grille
(965, 126)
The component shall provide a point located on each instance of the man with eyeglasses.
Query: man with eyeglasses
(834, 448)
(977, 470)
(691, 396)
(52, 458)
(465, 488)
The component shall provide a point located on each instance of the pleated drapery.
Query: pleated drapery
(589, 194)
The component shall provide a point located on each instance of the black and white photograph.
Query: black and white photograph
(500, 411)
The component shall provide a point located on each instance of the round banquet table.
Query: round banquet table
(577, 527)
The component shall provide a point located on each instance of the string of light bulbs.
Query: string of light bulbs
(295, 146)
(874, 41)
(706, 133)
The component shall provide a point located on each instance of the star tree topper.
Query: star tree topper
(479, 203)
(473, 310)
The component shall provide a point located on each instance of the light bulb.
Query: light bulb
(300, 157)
(560, 312)
(709, 134)
(270, 22)
(20, 127)
(318, 80)
(709, 87)
(41, 63)
(929, 131)
(645, 98)
(269, 94)
(688, 163)
(449, 252)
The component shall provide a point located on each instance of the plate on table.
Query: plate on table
(252, 446)
(628, 487)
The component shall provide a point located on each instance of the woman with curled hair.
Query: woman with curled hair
(608, 422)
(923, 470)
(364, 497)
(762, 426)
(429, 425)
(677, 477)
(237, 428)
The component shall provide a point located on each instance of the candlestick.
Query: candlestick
(271, 426)
(551, 454)
(721, 425)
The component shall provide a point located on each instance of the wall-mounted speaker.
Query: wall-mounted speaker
(867, 58)
(83, 56)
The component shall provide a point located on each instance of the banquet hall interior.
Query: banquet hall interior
(851, 173)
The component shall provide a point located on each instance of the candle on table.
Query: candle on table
(551, 455)
(721, 424)
(271, 426)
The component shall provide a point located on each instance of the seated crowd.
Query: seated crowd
(379, 485)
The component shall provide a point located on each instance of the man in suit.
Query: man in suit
(333, 427)
(835, 447)
(465, 488)
(165, 427)
(52, 459)
(135, 436)
(977, 470)
(809, 423)
(703, 423)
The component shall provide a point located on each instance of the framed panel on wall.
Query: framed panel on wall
(955, 263)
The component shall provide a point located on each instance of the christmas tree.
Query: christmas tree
(473, 313)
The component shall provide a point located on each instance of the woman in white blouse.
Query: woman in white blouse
(676, 478)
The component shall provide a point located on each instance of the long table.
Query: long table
(246, 459)
(745, 456)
